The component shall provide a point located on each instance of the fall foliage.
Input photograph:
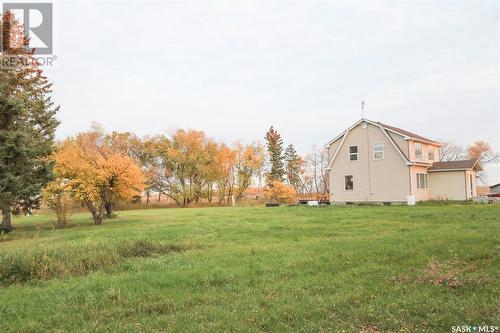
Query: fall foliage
(57, 197)
(190, 166)
(97, 174)
(280, 192)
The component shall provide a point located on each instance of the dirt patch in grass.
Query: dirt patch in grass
(449, 274)
(452, 274)
(47, 262)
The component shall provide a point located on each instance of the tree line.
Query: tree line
(100, 169)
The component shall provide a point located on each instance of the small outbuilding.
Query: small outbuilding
(495, 188)
(454, 180)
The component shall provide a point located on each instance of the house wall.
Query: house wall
(425, 152)
(374, 180)
(447, 185)
(495, 189)
(420, 194)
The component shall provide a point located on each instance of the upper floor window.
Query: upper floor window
(353, 153)
(422, 182)
(418, 151)
(431, 153)
(378, 151)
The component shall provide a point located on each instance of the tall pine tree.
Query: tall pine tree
(27, 126)
(293, 165)
(275, 151)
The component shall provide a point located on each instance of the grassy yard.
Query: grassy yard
(352, 269)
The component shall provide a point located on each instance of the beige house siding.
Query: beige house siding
(401, 142)
(448, 185)
(374, 180)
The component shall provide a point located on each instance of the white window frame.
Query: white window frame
(424, 185)
(349, 153)
(379, 151)
(345, 182)
(421, 151)
(429, 151)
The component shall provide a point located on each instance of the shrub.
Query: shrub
(280, 192)
(47, 261)
(42, 263)
(146, 248)
(57, 197)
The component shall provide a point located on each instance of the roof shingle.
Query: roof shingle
(453, 165)
(407, 133)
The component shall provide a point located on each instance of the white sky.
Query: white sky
(233, 68)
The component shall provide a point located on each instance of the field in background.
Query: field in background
(404, 269)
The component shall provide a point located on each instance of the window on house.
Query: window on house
(349, 183)
(378, 151)
(422, 181)
(431, 153)
(418, 151)
(353, 153)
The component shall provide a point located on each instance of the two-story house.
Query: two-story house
(375, 162)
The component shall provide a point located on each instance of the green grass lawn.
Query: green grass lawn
(352, 269)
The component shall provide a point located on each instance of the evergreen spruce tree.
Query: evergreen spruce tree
(293, 164)
(27, 127)
(275, 150)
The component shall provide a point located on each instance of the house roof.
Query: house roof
(494, 185)
(386, 127)
(406, 133)
(456, 165)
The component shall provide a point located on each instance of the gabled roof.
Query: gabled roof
(456, 165)
(402, 132)
(407, 133)
(344, 134)
(494, 185)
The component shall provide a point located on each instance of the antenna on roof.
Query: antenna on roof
(362, 109)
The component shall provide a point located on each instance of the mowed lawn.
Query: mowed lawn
(304, 269)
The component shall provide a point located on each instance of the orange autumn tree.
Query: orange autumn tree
(280, 192)
(182, 160)
(215, 171)
(224, 165)
(97, 174)
(249, 159)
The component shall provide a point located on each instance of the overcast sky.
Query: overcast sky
(233, 68)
